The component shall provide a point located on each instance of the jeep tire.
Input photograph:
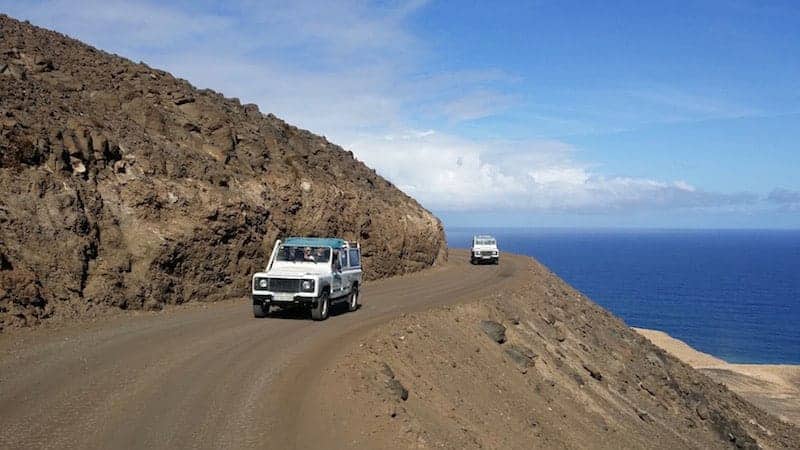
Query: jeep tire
(260, 311)
(352, 303)
(320, 312)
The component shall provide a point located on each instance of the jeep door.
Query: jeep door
(354, 266)
(350, 272)
(336, 274)
(347, 272)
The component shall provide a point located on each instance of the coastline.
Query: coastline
(773, 387)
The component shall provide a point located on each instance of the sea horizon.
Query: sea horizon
(489, 228)
(731, 293)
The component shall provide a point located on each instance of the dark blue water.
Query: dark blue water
(732, 293)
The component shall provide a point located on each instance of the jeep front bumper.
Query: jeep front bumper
(488, 259)
(281, 298)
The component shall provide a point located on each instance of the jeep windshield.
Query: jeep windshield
(485, 242)
(304, 254)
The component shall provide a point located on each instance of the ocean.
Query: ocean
(734, 294)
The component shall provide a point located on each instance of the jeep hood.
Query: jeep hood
(297, 270)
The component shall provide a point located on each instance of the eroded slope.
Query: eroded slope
(539, 366)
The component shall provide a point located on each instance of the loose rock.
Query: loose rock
(593, 372)
(496, 331)
(523, 356)
(397, 389)
(644, 415)
(702, 411)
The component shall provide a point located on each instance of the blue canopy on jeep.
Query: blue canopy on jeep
(314, 242)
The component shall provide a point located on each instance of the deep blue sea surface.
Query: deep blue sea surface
(732, 293)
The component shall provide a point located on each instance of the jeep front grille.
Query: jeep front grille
(284, 285)
(486, 253)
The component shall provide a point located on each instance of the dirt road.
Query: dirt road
(203, 376)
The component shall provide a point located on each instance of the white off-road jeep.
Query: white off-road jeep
(484, 249)
(311, 272)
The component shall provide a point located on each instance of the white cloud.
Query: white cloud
(787, 200)
(117, 22)
(476, 105)
(559, 175)
(354, 72)
(450, 174)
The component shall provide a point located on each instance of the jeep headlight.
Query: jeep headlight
(307, 286)
(494, 252)
(263, 283)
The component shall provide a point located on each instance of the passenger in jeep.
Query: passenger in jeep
(303, 254)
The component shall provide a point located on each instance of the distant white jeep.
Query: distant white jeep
(311, 272)
(484, 249)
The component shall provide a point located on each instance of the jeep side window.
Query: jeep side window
(355, 258)
(336, 262)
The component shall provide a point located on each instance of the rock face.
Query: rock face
(123, 186)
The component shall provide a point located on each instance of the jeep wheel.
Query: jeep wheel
(352, 305)
(320, 312)
(260, 311)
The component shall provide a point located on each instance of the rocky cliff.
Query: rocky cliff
(123, 186)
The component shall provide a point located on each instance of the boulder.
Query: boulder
(521, 355)
(495, 331)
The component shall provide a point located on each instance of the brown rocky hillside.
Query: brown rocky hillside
(123, 186)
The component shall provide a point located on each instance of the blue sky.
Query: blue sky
(534, 113)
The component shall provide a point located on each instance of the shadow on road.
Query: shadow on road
(301, 313)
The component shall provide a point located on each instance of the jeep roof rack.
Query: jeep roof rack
(320, 242)
(314, 242)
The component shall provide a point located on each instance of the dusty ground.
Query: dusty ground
(210, 376)
(773, 387)
(200, 376)
(568, 375)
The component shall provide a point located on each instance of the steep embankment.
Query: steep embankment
(123, 186)
(772, 387)
(536, 365)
